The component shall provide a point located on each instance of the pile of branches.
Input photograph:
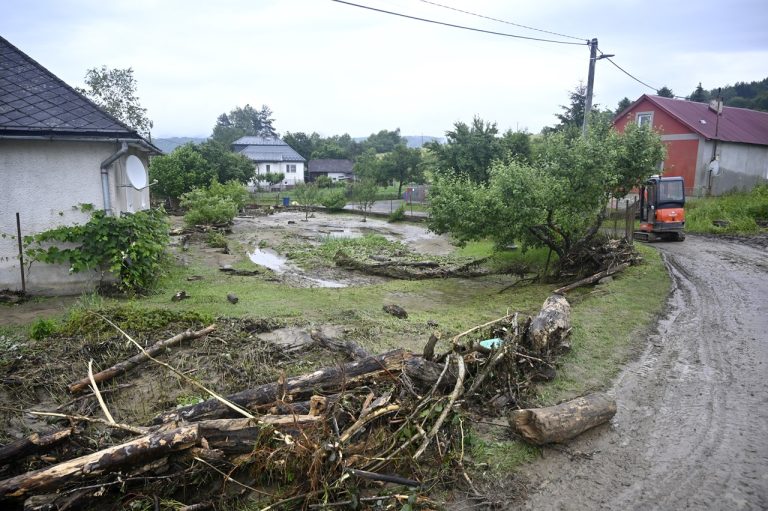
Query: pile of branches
(597, 255)
(384, 429)
(408, 268)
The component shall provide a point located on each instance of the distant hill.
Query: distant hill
(167, 145)
(413, 141)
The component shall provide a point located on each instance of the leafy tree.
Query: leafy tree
(364, 193)
(469, 150)
(245, 121)
(324, 182)
(334, 199)
(516, 144)
(572, 117)
(308, 196)
(402, 165)
(699, 95)
(227, 165)
(273, 178)
(181, 171)
(623, 105)
(384, 141)
(665, 92)
(558, 200)
(368, 167)
(302, 143)
(114, 90)
(328, 149)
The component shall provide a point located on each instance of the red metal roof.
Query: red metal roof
(736, 124)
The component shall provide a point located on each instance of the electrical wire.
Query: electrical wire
(456, 26)
(503, 21)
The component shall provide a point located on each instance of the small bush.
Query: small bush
(204, 207)
(42, 329)
(334, 200)
(215, 239)
(397, 215)
(324, 182)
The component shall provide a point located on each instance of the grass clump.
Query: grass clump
(42, 329)
(733, 213)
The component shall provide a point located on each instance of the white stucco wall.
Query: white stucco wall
(742, 166)
(291, 179)
(44, 181)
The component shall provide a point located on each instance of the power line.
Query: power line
(503, 21)
(456, 26)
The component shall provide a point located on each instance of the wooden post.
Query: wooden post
(21, 254)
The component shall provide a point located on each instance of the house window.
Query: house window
(644, 119)
(290, 169)
(267, 167)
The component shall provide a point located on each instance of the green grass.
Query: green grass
(534, 259)
(610, 323)
(743, 212)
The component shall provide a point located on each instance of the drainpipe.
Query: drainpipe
(105, 176)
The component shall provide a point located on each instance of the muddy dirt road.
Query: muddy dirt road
(692, 427)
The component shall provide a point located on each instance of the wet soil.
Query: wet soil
(691, 430)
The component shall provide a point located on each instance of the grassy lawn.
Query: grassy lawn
(734, 213)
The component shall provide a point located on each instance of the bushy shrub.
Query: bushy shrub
(215, 239)
(42, 329)
(324, 182)
(397, 215)
(217, 204)
(334, 200)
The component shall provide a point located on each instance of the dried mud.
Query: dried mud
(692, 427)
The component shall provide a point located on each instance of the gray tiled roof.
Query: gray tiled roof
(266, 149)
(33, 101)
(329, 165)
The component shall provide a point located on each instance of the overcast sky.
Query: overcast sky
(332, 68)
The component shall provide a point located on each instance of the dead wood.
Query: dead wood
(429, 348)
(562, 422)
(353, 350)
(411, 270)
(552, 325)
(395, 310)
(140, 358)
(592, 279)
(32, 444)
(228, 436)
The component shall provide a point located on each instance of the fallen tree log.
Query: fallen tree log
(127, 365)
(229, 436)
(552, 325)
(32, 444)
(326, 380)
(349, 348)
(592, 279)
(412, 270)
(562, 422)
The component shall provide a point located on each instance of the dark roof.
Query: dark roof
(736, 124)
(33, 101)
(266, 149)
(328, 165)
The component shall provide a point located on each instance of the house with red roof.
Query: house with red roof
(714, 149)
(58, 151)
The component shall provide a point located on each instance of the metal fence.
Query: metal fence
(620, 218)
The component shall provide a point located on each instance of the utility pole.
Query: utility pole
(591, 82)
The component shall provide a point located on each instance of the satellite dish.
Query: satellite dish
(136, 173)
(714, 167)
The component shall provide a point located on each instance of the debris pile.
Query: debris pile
(384, 428)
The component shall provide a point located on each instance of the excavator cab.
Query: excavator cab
(662, 209)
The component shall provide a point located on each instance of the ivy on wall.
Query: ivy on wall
(131, 246)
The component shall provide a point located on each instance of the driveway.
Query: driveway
(691, 430)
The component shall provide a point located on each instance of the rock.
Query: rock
(232, 298)
(194, 277)
(396, 311)
(181, 295)
(432, 323)
(605, 280)
(721, 223)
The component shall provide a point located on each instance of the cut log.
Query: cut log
(326, 380)
(33, 444)
(135, 360)
(591, 280)
(228, 436)
(552, 325)
(412, 270)
(567, 420)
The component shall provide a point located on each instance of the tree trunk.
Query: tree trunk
(349, 348)
(329, 379)
(32, 444)
(135, 360)
(591, 280)
(552, 325)
(559, 423)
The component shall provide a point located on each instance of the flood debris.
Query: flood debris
(405, 267)
(395, 310)
(377, 425)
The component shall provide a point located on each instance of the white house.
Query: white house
(271, 155)
(58, 150)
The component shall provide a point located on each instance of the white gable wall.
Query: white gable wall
(291, 178)
(44, 181)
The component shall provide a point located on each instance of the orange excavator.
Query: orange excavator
(662, 209)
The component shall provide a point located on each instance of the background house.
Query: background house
(694, 134)
(58, 150)
(271, 155)
(336, 170)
